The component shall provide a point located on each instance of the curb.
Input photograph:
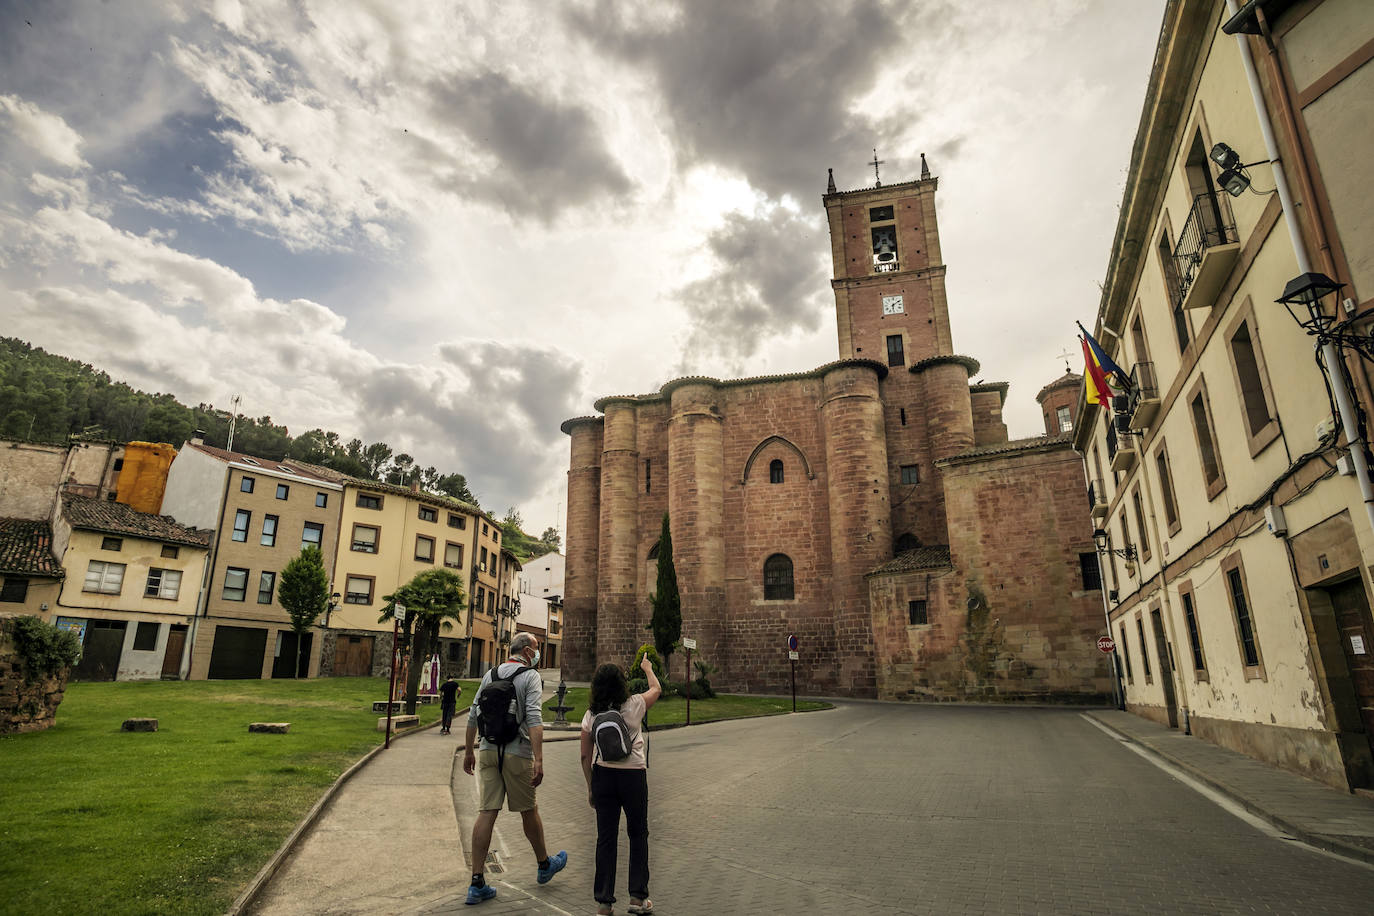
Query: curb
(250, 893)
(1320, 840)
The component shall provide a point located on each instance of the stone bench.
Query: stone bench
(139, 725)
(398, 723)
(270, 728)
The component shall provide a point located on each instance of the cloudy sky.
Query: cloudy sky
(452, 225)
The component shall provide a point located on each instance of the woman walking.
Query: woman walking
(614, 765)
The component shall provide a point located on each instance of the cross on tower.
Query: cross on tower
(875, 163)
(1066, 356)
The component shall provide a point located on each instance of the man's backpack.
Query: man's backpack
(611, 735)
(498, 717)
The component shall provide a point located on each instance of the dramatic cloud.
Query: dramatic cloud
(452, 225)
(767, 280)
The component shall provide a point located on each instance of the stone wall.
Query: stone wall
(26, 706)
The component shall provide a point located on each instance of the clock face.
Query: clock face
(892, 305)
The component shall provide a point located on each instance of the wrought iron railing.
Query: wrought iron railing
(883, 267)
(1097, 493)
(1209, 224)
(1143, 385)
(1111, 441)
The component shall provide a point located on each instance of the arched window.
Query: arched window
(653, 551)
(777, 578)
(775, 471)
(906, 542)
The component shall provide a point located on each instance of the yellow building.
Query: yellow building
(390, 534)
(131, 588)
(263, 513)
(1231, 508)
(30, 576)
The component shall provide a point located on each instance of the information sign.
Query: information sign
(689, 644)
(793, 656)
(400, 613)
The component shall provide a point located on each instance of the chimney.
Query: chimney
(415, 486)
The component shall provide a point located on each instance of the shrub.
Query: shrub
(700, 688)
(637, 685)
(635, 674)
(45, 649)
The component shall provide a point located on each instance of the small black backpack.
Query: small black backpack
(611, 735)
(498, 719)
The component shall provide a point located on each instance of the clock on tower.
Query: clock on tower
(892, 305)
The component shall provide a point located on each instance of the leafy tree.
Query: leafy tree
(666, 622)
(551, 539)
(433, 599)
(304, 594)
(456, 485)
(375, 457)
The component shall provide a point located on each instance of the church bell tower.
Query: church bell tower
(889, 279)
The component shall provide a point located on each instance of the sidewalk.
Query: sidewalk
(1322, 816)
(386, 841)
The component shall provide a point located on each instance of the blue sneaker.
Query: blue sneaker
(477, 894)
(556, 864)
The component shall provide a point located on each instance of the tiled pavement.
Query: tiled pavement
(889, 809)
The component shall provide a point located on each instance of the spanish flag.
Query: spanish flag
(1095, 388)
(1104, 361)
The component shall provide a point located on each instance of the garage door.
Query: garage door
(237, 653)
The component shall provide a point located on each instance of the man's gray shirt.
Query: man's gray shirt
(529, 690)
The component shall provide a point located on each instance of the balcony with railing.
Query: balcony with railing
(1120, 444)
(1207, 248)
(1144, 395)
(1097, 500)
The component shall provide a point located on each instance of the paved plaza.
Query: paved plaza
(872, 807)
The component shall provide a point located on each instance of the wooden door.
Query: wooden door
(100, 652)
(1166, 668)
(353, 656)
(171, 659)
(1357, 640)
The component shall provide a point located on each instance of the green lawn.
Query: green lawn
(95, 820)
(673, 710)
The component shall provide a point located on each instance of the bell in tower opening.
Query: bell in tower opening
(884, 244)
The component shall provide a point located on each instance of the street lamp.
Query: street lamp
(1309, 290)
(1100, 539)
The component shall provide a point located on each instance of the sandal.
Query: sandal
(642, 908)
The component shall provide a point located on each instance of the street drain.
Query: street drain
(494, 863)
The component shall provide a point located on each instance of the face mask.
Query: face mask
(534, 662)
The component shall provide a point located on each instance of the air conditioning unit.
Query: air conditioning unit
(1275, 522)
(1121, 403)
(1123, 424)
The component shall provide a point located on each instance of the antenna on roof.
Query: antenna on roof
(233, 417)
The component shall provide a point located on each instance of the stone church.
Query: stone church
(873, 507)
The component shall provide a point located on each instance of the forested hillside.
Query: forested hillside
(48, 398)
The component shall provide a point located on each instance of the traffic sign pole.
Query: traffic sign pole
(391, 688)
(689, 645)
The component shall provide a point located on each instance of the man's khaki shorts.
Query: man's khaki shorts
(510, 784)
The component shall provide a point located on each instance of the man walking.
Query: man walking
(509, 771)
(448, 700)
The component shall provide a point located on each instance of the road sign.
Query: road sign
(792, 644)
(400, 613)
(793, 656)
(1106, 644)
(689, 644)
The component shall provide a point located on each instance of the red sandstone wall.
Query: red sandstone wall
(1016, 529)
(766, 518)
(580, 575)
(988, 427)
(1065, 396)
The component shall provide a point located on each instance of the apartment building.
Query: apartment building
(1234, 537)
(541, 602)
(262, 513)
(131, 588)
(390, 534)
(30, 576)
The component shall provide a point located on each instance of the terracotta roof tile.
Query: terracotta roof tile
(1015, 445)
(933, 557)
(286, 465)
(26, 549)
(87, 514)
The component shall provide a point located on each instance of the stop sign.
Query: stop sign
(1106, 643)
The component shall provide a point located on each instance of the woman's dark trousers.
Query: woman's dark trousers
(612, 790)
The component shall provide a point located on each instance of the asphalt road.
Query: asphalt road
(918, 809)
